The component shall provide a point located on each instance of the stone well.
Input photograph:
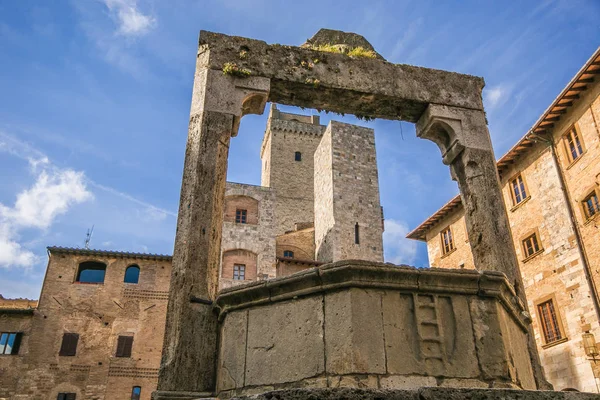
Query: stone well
(378, 326)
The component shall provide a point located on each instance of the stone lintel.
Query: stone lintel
(364, 274)
(419, 394)
(339, 83)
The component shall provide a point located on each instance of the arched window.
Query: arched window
(136, 393)
(298, 156)
(288, 254)
(91, 272)
(132, 274)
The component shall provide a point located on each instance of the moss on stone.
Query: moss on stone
(234, 70)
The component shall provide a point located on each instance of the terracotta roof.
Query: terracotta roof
(107, 253)
(17, 306)
(565, 100)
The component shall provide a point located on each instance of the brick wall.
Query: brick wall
(234, 203)
(240, 257)
(99, 313)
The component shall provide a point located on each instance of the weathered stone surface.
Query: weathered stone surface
(285, 342)
(407, 382)
(333, 37)
(418, 394)
(354, 333)
(232, 358)
(338, 83)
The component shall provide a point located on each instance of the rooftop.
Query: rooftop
(17, 306)
(107, 253)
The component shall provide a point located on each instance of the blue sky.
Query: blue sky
(95, 98)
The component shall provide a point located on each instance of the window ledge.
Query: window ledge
(576, 160)
(448, 253)
(556, 342)
(88, 283)
(537, 253)
(516, 206)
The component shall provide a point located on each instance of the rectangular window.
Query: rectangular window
(573, 144)
(590, 205)
(124, 345)
(549, 322)
(10, 343)
(531, 245)
(239, 272)
(67, 396)
(519, 193)
(240, 216)
(447, 241)
(356, 234)
(69, 344)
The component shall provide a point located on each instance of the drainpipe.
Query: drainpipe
(574, 225)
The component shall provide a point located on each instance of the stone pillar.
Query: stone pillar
(188, 362)
(464, 140)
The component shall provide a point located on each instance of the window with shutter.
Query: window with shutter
(69, 344)
(124, 346)
(10, 342)
(67, 396)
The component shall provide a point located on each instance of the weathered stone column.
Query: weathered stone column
(464, 140)
(190, 346)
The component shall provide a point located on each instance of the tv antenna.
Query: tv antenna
(88, 237)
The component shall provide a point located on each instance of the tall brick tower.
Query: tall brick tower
(287, 155)
(348, 216)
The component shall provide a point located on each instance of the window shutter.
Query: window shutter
(69, 344)
(124, 346)
(16, 344)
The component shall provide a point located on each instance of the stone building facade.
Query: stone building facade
(550, 182)
(97, 332)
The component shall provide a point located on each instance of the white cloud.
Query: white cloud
(53, 193)
(398, 249)
(132, 22)
(495, 96)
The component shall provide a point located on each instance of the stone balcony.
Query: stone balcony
(356, 324)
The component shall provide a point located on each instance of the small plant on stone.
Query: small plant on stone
(313, 82)
(234, 70)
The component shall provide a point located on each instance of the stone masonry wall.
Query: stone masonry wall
(556, 271)
(355, 198)
(257, 238)
(292, 180)
(99, 313)
(11, 366)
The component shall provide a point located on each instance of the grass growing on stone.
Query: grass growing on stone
(357, 52)
(234, 70)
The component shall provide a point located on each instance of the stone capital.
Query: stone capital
(453, 129)
(238, 96)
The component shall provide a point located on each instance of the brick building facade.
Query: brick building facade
(550, 182)
(97, 332)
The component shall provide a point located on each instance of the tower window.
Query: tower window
(136, 393)
(10, 342)
(68, 346)
(298, 156)
(241, 216)
(518, 190)
(239, 272)
(67, 396)
(447, 241)
(91, 272)
(531, 245)
(356, 234)
(573, 144)
(288, 254)
(549, 321)
(590, 205)
(132, 274)
(124, 346)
